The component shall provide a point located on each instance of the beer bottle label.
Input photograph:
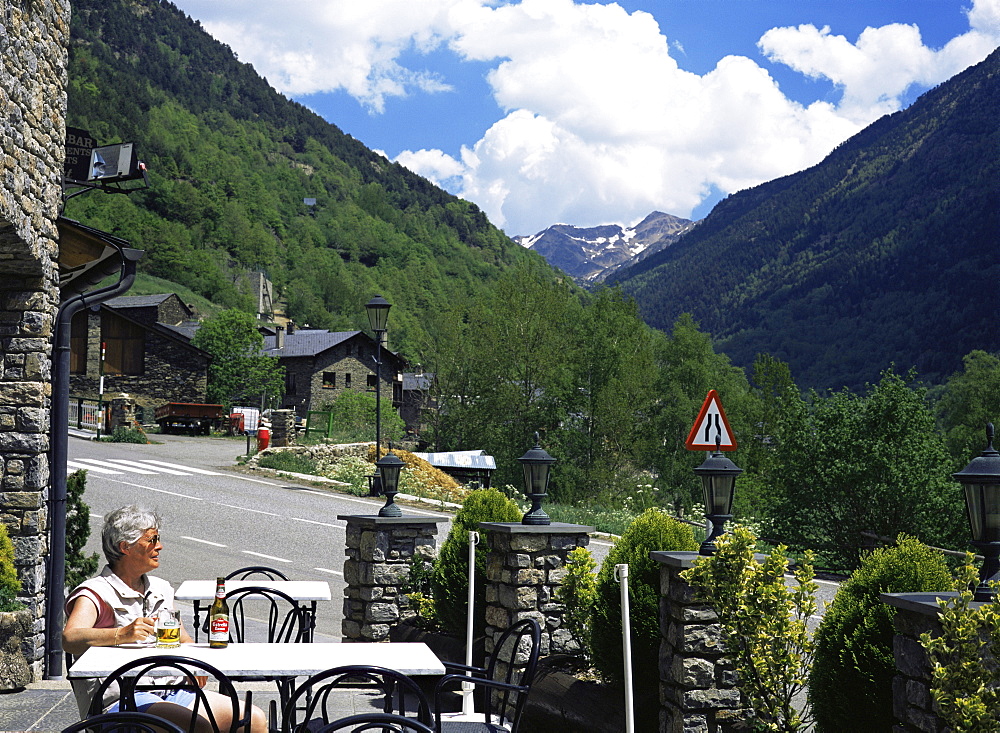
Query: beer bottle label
(219, 629)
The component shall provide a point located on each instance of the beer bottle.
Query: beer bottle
(218, 623)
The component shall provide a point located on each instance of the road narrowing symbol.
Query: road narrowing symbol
(711, 428)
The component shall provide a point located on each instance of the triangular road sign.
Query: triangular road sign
(711, 427)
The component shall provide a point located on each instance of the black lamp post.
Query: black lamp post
(981, 481)
(536, 464)
(378, 313)
(718, 481)
(389, 467)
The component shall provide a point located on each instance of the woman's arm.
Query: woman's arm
(79, 633)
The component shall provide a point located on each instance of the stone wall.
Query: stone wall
(33, 42)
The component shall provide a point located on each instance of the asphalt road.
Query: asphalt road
(216, 520)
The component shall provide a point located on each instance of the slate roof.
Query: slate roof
(307, 342)
(137, 301)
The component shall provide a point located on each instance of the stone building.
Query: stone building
(148, 354)
(320, 365)
(34, 37)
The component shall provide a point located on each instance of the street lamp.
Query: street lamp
(389, 467)
(378, 313)
(981, 481)
(536, 464)
(718, 481)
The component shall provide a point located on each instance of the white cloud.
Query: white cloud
(599, 122)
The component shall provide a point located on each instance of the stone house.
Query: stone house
(148, 354)
(417, 400)
(320, 365)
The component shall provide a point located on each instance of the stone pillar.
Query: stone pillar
(698, 691)
(377, 564)
(282, 428)
(34, 38)
(122, 413)
(525, 566)
(912, 704)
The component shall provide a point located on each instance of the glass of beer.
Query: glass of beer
(168, 629)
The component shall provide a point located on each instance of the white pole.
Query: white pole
(621, 574)
(468, 703)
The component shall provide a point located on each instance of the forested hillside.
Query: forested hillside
(231, 162)
(886, 252)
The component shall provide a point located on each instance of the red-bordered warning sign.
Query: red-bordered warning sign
(711, 428)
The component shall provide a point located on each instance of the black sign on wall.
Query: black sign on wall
(79, 145)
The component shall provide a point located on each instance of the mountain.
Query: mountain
(887, 252)
(243, 179)
(591, 254)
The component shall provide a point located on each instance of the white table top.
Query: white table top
(270, 660)
(299, 590)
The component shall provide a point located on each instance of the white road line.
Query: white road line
(74, 464)
(255, 480)
(123, 462)
(174, 493)
(204, 542)
(266, 557)
(313, 521)
(127, 469)
(246, 509)
(327, 570)
(184, 468)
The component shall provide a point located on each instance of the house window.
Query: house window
(397, 391)
(289, 383)
(125, 345)
(329, 380)
(372, 381)
(78, 343)
(347, 380)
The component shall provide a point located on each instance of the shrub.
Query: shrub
(353, 417)
(854, 659)
(353, 470)
(451, 572)
(79, 567)
(763, 622)
(128, 434)
(10, 586)
(578, 593)
(284, 460)
(651, 531)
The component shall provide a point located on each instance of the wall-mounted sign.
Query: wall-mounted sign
(79, 146)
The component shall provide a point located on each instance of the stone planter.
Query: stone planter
(15, 672)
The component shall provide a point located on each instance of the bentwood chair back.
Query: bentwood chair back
(124, 722)
(171, 672)
(257, 572)
(376, 723)
(284, 620)
(314, 701)
(505, 681)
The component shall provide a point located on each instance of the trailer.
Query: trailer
(177, 417)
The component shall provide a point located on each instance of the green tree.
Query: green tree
(354, 417)
(239, 371)
(871, 462)
(970, 399)
(79, 565)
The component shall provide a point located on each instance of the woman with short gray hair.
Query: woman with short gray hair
(120, 606)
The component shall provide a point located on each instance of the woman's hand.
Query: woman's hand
(141, 630)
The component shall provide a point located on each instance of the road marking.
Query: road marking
(266, 557)
(173, 493)
(204, 542)
(185, 468)
(84, 466)
(246, 509)
(123, 463)
(127, 469)
(327, 570)
(255, 480)
(313, 521)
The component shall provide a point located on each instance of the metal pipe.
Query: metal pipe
(468, 703)
(59, 436)
(621, 573)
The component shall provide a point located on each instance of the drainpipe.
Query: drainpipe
(59, 435)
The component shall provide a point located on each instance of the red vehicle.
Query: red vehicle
(177, 417)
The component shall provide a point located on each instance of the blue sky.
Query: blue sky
(556, 111)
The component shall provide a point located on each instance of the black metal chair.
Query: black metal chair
(505, 682)
(398, 692)
(268, 615)
(124, 722)
(252, 572)
(170, 672)
(380, 722)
